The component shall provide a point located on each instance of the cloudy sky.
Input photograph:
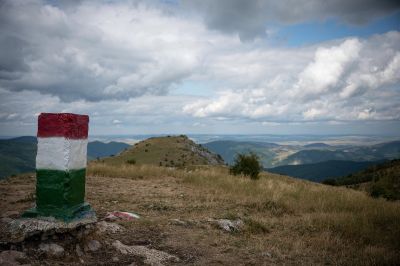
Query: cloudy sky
(203, 66)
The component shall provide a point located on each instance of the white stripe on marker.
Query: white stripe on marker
(59, 153)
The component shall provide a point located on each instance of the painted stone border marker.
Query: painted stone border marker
(61, 167)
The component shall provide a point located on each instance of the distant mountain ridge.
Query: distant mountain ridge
(320, 171)
(23, 139)
(228, 149)
(100, 149)
(382, 151)
(273, 155)
(317, 145)
(18, 155)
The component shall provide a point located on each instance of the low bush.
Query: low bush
(246, 164)
(131, 161)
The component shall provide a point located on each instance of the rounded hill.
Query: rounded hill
(170, 151)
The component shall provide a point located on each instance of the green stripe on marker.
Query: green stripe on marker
(59, 194)
(54, 188)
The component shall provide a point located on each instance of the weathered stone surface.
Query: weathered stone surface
(12, 257)
(152, 257)
(105, 227)
(92, 245)
(17, 230)
(52, 250)
(228, 225)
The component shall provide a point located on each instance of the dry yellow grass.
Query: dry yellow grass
(287, 221)
(328, 220)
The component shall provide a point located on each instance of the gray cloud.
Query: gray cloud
(19, 111)
(250, 18)
(343, 80)
(94, 51)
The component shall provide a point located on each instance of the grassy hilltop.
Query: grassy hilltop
(171, 151)
(287, 221)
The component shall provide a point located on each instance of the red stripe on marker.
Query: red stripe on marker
(71, 126)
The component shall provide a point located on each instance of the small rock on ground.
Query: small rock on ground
(52, 250)
(104, 227)
(93, 245)
(152, 257)
(228, 225)
(266, 254)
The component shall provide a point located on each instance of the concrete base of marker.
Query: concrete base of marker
(66, 215)
(17, 230)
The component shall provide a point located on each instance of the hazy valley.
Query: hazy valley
(296, 156)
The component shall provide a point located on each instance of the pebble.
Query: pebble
(103, 227)
(52, 250)
(93, 245)
(151, 256)
(266, 254)
(228, 225)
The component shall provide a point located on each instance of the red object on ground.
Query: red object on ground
(71, 126)
(121, 215)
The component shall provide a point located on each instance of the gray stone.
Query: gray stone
(17, 230)
(52, 250)
(266, 254)
(105, 227)
(228, 225)
(93, 245)
(152, 257)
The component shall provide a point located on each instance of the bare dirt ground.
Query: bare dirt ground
(175, 219)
